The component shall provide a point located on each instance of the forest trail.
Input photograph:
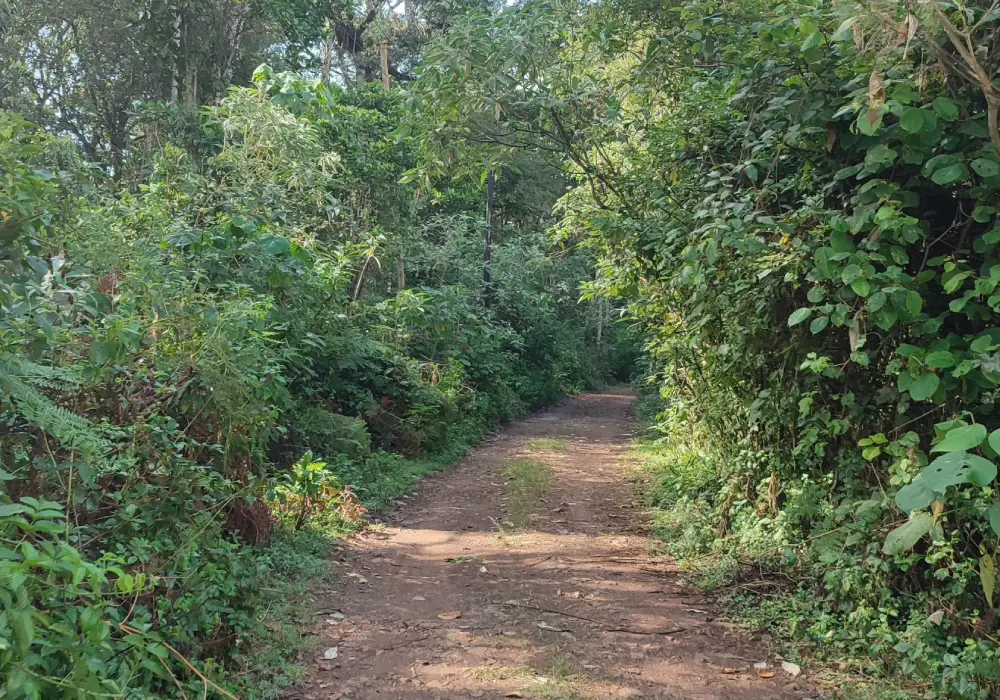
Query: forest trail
(571, 605)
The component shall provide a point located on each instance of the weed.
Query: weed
(547, 444)
(528, 482)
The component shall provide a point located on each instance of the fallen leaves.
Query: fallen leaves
(453, 615)
(331, 653)
(549, 628)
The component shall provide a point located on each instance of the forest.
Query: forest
(266, 263)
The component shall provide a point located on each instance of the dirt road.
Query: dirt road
(490, 583)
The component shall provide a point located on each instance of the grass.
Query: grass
(546, 444)
(528, 482)
(557, 682)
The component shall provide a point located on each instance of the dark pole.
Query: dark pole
(488, 253)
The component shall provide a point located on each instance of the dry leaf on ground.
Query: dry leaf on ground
(454, 615)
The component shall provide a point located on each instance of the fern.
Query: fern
(20, 379)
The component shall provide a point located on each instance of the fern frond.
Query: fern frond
(46, 376)
(73, 432)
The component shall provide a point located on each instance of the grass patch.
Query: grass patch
(557, 682)
(547, 444)
(528, 482)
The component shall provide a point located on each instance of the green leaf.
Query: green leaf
(940, 359)
(962, 439)
(841, 242)
(850, 273)
(845, 30)
(812, 41)
(877, 301)
(904, 537)
(924, 386)
(946, 109)
(276, 245)
(985, 168)
(880, 156)
(950, 174)
(994, 516)
(912, 120)
(9, 509)
(994, 440)
(823, 262)
(914, 302)
(861, 287)
(915, 496)
(818, 324)
(988, 577)
(24, 629)
(956, 468)
(869, 122)
(799, 315)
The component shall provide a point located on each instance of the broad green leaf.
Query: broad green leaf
(994, 440)
(850, 273)
(23, 627)
(816, 294)
(823, 262)
(276, 245)
(912, 120)
(994, 515)
(946, 109)
(841, 242)
(9, 509)
(962, 439)
(861, 287)
(869, 122)
(812, 41)
(941, 359)
(924, 386)
(956, 468)
(915, 496)
(985, 168)
(876, 301)
(914, 302)
(904, 537)
(988, 577)
(845, 30)
(950, 174)
(818, 324)
(880, 156)
(799, 315)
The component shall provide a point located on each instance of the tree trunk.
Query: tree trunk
(488, 250)
(324, 73)
(384, 51)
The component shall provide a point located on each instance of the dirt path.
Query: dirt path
(570, 605)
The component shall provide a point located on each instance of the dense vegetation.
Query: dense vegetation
(235, 296)
(798, 204)
(227, 328)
